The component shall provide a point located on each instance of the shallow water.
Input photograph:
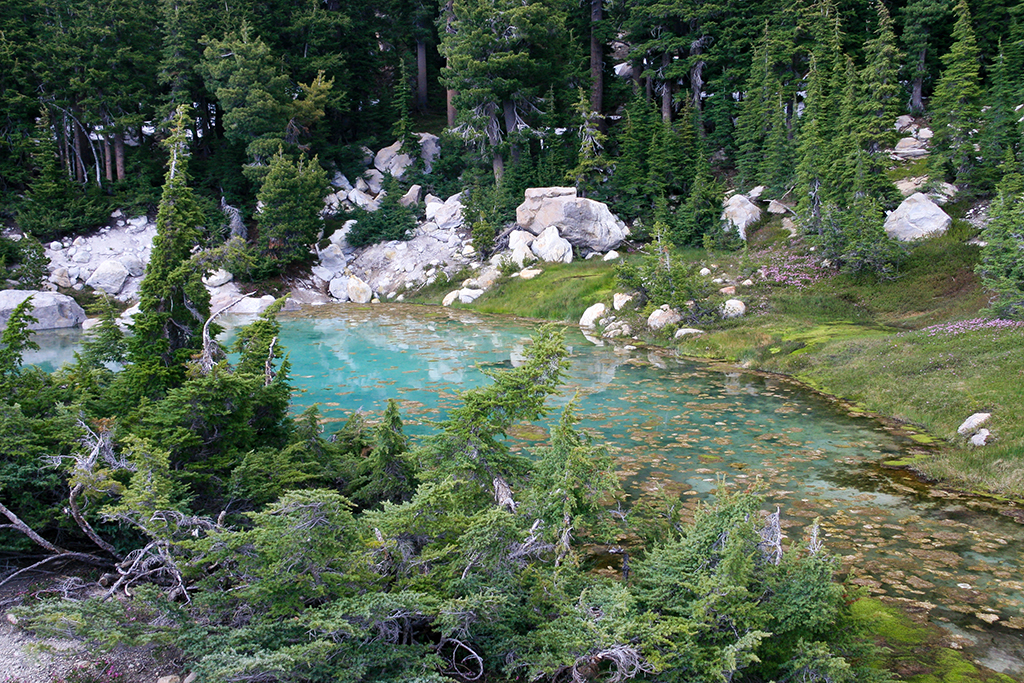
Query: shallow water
(680, 426)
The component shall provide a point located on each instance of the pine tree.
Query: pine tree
(922, 19)
(632, 164)
(1001, 265)
(173, 302)
(955, 107)
(881, 95)
(593, 167)
(292, 198)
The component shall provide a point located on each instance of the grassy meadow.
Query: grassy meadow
(916, 349)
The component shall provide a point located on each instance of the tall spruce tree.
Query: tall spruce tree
(956, 107)
(1001, 265)
(173, 302)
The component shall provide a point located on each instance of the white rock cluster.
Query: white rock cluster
(971, 428)
(113, 260)
(367, 191)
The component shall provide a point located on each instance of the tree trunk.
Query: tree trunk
(596, 59)
(108, 159)
(917, 89)
(421, 75)
(508, 108)
(119, 154)
(79, 144)
(666, 89)
(498, 166)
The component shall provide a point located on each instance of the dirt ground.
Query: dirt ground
(28, 658)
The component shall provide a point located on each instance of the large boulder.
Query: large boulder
(739, 213)
(584, 222)
(910, 148)
(592, 315)
(430, 148)
(51, 310)
(663, 316)
(447, 215)
(918, 216)
(551, 247)
(391, 160)
(332, 258)
(358, 291)
(109, 277)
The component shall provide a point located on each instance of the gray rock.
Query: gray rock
(109, 276)
(610, 256)
(583, 222)
(374, 181)
(468, 296)
(918, 216)
(341, 182)
(551, 247)
(133, 264)
(733, 308)
(56, 246)
(910, 148)
(740, 213)
(520, 238)
(777, 208)
(333, 258)
(972, 423)
(358, 291)
(217, 278)
(324, 274)
(362, 200)
(981, 438)
(619, 300)
(663, 316)
(592, 315)
(448, 215)
(61, 278)
(430, 149)
(51, 310)
(411, 197)
(339, 288)
(904, 122)
(617, 328)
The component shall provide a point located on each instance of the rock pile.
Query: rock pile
(366, 193)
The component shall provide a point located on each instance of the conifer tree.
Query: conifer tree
(593, 166)
(632, 164)
(881, 95)
(173, 302)
(922, 19)
(1001, 265)
(292, 197)
(955, 106)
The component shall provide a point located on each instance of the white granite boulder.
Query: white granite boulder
(739, 213)
(430, 149)
(917, 217)
(971, 424)
(447, 215)
(109, 277)
(338, 288)
(51, 310)
(662, 317)
(217, 278)
(620, 299)
(332, 258)
(583, 222)
(592, 315)
(391, 160)
(733, 308)
(552, 247)
(411, 196)
(358, 291)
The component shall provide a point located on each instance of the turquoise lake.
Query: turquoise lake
(680, 426)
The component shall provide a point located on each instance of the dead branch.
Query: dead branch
(466, 663)
(771, 539)
(268, 365)
(63, 557)
(626, 662)
(503, 494)
(211, 349)
(18, 524)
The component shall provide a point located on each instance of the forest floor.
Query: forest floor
(29, 658)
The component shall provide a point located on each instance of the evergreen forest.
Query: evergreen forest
(239, 538)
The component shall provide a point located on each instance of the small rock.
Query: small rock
(168, 679)
(972, 423)
(56, 246)
(610, 256)
(191, 678)
(733, 308)
(619, 300)
(450, 298)
(727, 290)
(468, 296)
(980, 438)
(530, 273)
(686, 331)
(777, 208)
(747, 283)
(704, 272)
